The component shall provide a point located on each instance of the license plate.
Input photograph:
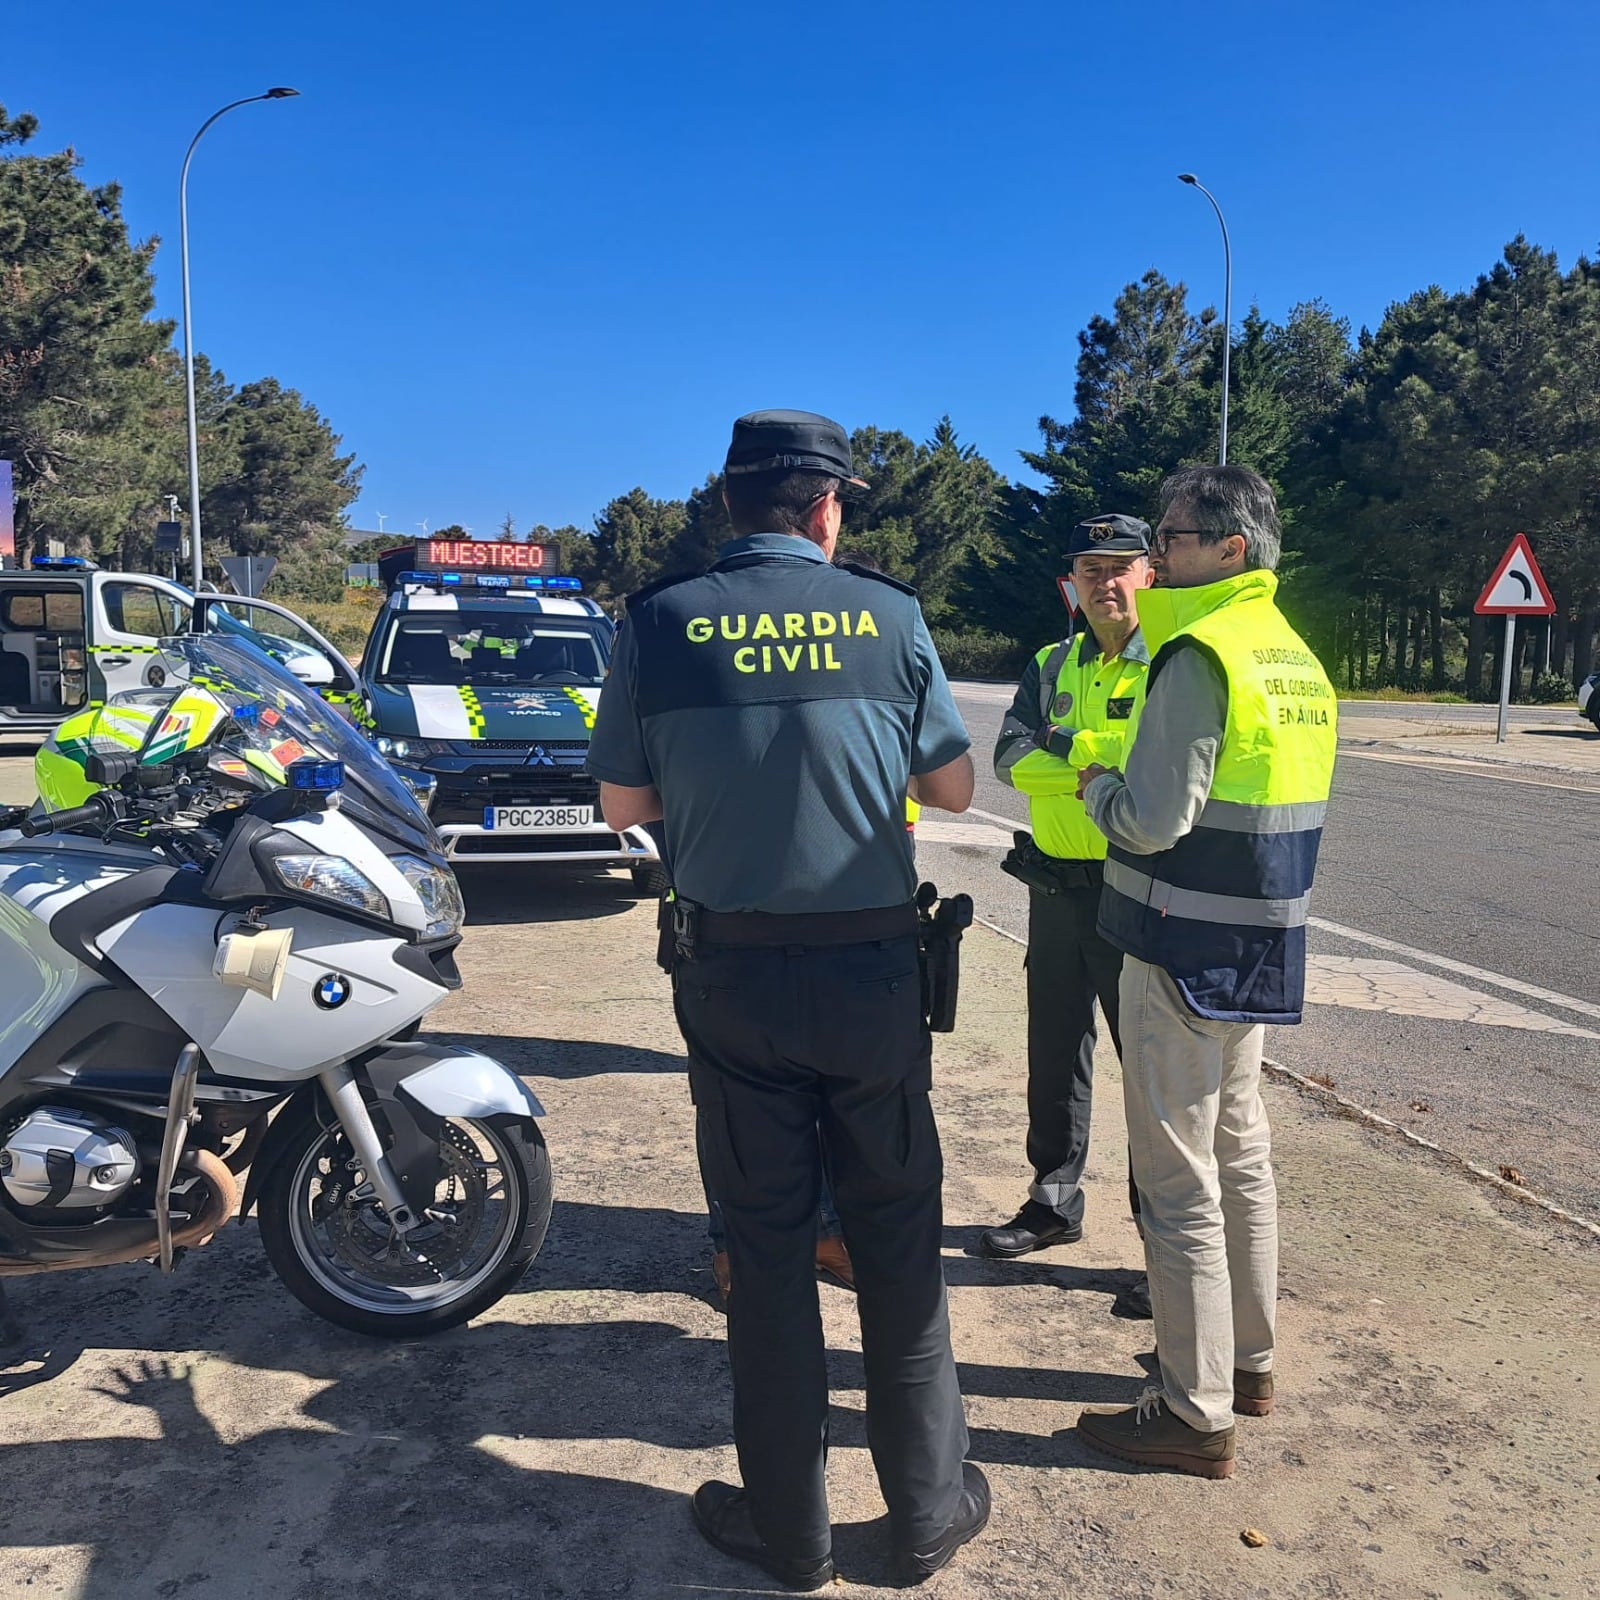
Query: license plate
(536, 819)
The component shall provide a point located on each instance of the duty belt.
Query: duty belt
(774, 930)
(1049, 874)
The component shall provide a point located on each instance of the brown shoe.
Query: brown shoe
(723, 1273)
(1149, 1435)
(1252, 1393)
(833, 1263)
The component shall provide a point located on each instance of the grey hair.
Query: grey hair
(1224, 500)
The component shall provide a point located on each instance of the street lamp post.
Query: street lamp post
(188, 323)
(1227, 305)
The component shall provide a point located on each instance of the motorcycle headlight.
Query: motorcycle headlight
(333, 878)
(439, 893)
(403, 747)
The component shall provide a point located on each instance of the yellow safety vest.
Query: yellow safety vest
(1224, 910)
(1090, 699)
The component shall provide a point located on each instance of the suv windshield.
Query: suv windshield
(505, 647)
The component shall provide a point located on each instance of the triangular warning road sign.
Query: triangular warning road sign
(1517, 588)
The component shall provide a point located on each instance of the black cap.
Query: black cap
(792, 441)
(1110, 533)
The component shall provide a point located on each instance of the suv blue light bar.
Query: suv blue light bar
(64, 564)
(310, 773)
(488, 580)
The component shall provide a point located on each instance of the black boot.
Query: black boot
(722, 1514)
(1035, 1227)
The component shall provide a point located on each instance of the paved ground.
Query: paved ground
(202, 1436)
(1550, 737)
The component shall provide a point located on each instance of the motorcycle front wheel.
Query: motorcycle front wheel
(336, 1253)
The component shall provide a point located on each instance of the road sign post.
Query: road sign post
(1515, 589)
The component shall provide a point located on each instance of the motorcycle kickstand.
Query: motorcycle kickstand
(180, 1112)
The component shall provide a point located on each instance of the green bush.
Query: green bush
(345, 622)
(976, 653)
(1551, 688)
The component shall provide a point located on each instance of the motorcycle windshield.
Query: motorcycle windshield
(277, 719)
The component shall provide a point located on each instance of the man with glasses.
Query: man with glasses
(776, 711)
(1213, 832)
(1072, 708)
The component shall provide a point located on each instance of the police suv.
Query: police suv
(487, 679)
(72, 635)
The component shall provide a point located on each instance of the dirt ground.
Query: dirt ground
(204, 1436)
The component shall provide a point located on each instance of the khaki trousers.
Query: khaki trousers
(1202, 1160)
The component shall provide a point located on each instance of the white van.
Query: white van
(71, 635)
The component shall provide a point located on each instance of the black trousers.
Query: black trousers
(800, 1056)
(1069, 966)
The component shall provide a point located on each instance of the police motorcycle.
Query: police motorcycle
(220, 928)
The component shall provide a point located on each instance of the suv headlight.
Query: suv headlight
(439, 893)
(333, 878)
(403, 747)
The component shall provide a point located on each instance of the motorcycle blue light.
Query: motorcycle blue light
(309, 773)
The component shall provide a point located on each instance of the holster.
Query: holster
(1026, 862)
(677, 927)
(940, 924)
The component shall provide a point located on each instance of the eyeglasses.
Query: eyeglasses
(1161, 539)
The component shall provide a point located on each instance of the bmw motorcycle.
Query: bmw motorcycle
(220, 928)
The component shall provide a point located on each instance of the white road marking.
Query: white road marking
(1496, 980)
(1010, 824)
(988, 694)
(1366, 984)
(949, 831)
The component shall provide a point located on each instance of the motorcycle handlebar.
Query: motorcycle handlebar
(60, 821)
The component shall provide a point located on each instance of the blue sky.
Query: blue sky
(527, 257)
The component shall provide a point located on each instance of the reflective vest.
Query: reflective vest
(1224, 910)
(1070, 688)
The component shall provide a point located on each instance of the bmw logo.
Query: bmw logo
(331, 991)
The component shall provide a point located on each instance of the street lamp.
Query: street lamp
(188, 329)
(1227, 305)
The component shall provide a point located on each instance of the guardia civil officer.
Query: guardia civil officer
(1071, 708)
(776, 711)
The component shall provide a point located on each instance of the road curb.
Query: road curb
(1416, 748)
(1450, 1158)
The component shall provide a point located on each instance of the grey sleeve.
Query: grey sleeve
(1018, 733)
(1156, 800)
(616, 743)
(939, 734)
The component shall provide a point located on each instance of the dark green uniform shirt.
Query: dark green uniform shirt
(779, 704)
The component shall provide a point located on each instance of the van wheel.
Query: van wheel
(650, 879)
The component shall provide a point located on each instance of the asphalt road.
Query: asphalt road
(1424, 872)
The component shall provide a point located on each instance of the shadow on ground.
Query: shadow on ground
(416, 1439)
(502, 893)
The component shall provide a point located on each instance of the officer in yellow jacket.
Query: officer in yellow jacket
(1071, 710)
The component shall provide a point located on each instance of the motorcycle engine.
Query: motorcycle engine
(57, 1159)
